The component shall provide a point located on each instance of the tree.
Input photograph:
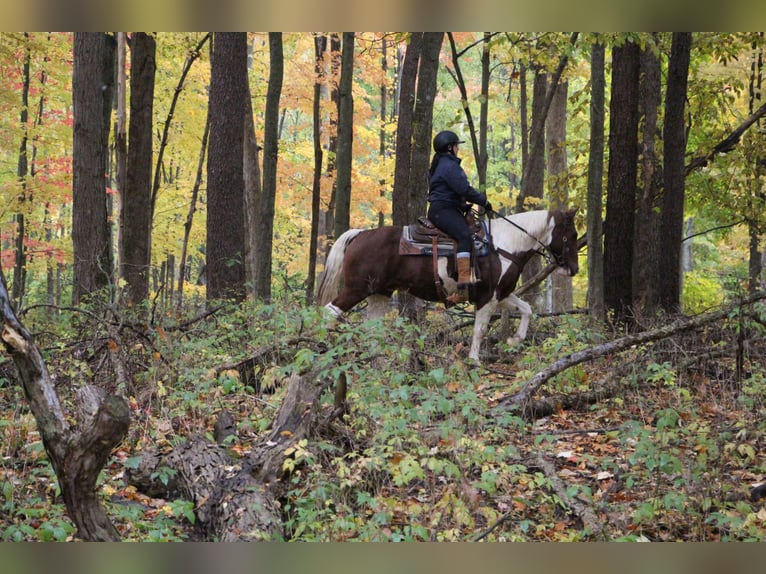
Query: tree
(558, 190)
(345, 136)
(594, 200)
(413, 145)
(422, 121)
(674, 136)
(135, 217)
(646, 250)
(253, 191)
(621, 180)
(407, 90)
(92, 86)
(264, 224)
(320, 47)
(225, 270)
(22, 171)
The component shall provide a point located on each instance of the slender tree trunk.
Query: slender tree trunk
(533, 180)
(382, 138)
(345, 136)
(755, 266)
(183, 266)
(481, 164)
(253, 190)
(22, 171)
(267, 200)
(556, 131)
(191, 57)
(674, 136)
(621, 184)
(332, 147)
(595, 184)
(136, 212)
(320, 47)
(121, 137)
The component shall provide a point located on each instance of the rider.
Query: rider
(449, 194)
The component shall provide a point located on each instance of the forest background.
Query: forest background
(488, 87)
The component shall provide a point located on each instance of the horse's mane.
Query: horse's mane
(537, 224)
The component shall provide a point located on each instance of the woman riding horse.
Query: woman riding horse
(449, 194)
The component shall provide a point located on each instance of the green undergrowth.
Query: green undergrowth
(423, 453)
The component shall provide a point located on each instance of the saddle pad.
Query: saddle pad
(414, 243)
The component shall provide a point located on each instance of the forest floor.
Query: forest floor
(669, 451)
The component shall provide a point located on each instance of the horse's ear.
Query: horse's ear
(572, 212)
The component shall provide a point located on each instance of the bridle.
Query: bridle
(544, 250)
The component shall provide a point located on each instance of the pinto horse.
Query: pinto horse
(366, 263)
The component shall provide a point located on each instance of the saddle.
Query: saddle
(424, 238)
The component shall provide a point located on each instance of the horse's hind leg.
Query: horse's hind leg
(513, 302)
(480, 324)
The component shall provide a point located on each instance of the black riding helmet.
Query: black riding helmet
(444, 139)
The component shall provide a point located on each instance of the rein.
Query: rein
(545, 251)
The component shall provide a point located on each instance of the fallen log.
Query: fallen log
(522, 398)
(235, 500)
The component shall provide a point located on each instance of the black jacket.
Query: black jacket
(449, 183)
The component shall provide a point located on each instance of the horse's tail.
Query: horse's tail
(331, 280)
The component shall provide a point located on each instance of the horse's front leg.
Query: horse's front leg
(480, 324)
(513, 302)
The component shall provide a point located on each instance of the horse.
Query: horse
(369, 263)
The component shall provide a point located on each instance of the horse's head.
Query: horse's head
(563, 245)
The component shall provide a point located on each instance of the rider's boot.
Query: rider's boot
(463, 281)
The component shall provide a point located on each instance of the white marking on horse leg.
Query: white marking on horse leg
(334, 311)
(378, 306)
(513, 302)
(480, 324)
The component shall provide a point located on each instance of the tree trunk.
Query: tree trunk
(253, 191)
(136, 213)
(621, 182)
(225, 220)
(237, 502)
(595, 185)
(90, 101)
(332, 145)
(422, 121)
(267, 200)
(183, 265)
(481, 164)
(383, 151)
(523, 397)
(646, 249)
(558, 190)
(533, 180)
(22, 171)
(121, 136)
(345, 136)
(158, 170)
(674, 136)
(404, 134)
(77, 453)
(320, 47)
